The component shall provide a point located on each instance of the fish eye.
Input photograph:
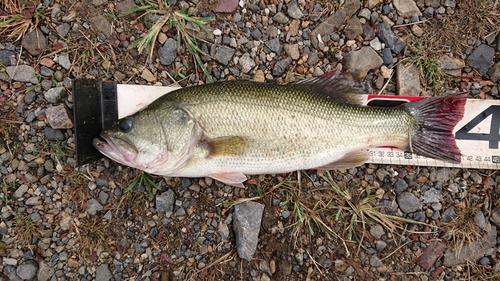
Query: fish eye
(126, 125)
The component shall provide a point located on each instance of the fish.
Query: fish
(227, 130)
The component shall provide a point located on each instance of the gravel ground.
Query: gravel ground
(60, 221)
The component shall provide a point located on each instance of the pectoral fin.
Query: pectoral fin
(230, 178)
(231, 145)
(350, 160)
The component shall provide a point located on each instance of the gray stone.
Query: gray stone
(247, 63)
(440, 175)
(401, 186)
(63, 29)
(102, 273)
(380, 245)
(494, 72)
(274, 45)
(168, 52)
(125, 6)
(34, 42)
(247, 218)
(312, 59)
(351, 6)
(408, 80)
(381, 173)
(27, 270)
(226, 6)
(433, 3)
(408, 202)
(34, 201)
(20, 191)
(292, 50)
(387, 56)
(481, 58)
(64, 61)
(165, 203)
(256, 34)
(294, 10)
(353, 28)
(428, 12)
(58, 117)
(22, 73)
(223, 231)
(450, 3)
(448, 214)
(472, 251)
(55, 95)
(280, 67)
(451, 66)
(391, 39)
(103, 197)
(377, 231)
(327, 27)
(365, 13)
(99, 2)
(93, 206)
(53, 134)
(30, 97)
(224, 54)
(406, 8)
(281, 18)
(375, 261)
(10, 272)
(45, 271)
(432, 196)
(102, 25)
(480, 220)
(358, 63)
(7, 57)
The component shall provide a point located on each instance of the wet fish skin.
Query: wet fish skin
(228, 129)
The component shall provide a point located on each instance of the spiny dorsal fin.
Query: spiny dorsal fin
(230, 145)
(336, 87)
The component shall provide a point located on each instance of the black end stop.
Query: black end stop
(95, 107)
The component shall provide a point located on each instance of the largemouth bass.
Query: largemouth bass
(228, 129)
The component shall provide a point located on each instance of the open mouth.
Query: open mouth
(117, 149)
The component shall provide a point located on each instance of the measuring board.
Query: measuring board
(477, 134)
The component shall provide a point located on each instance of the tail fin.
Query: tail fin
(437, 117)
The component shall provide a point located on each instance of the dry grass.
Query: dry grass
(17, 17)
(92, 235)
(8, 123)
(449, 34)
(463, 229)
(25, 230)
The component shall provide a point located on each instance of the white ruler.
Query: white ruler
(477, 134)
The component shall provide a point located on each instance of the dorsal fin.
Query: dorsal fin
(335, 87)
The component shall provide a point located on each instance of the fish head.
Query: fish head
(151, 140)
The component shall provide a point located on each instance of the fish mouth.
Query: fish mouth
(118, 149)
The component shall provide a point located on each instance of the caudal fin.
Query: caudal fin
(437, 117)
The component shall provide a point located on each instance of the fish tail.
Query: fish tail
(436, 118)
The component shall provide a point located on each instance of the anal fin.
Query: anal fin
(230, 178)
(350, 160)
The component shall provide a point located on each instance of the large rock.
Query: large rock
(391, 39)
(481, 58)
(359, 62)
(451, 66)
(406, 8)
(34, 42)
(407, 80)
(22, 73)
(58, 117)
(473, 251)
(247, 218)
(332, 23)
